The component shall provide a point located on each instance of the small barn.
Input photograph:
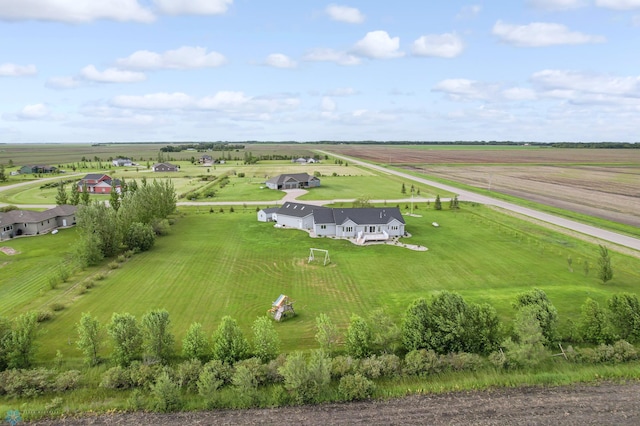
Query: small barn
(266, 215)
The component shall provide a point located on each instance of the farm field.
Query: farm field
(219, 264)
(604, 183)
(55, 154)
(348, 183)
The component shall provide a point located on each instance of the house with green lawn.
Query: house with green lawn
(362, 224)
(293, 181)
(16, 223)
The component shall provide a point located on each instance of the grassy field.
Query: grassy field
(348, 183)
(229, 264)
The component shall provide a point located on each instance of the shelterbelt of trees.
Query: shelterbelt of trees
(437, 335)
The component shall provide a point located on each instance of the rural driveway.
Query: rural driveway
(623, 240)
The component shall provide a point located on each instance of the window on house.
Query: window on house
(323, 226)
(349, 229)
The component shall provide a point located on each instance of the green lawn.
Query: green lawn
(229, 264)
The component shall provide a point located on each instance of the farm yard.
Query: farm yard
(218, 260)
(216, 264)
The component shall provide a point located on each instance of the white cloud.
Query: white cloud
(557, 4)
(185, 57)
(225, 101)
(347, 14)
(378, 45)
(574, 83)
(619, 4)
(111, 75)
(13, 70)
(448, 45)
(538, 34)
(33, 112)
(364, 117)
(159, 101)
(468, 12)
(342, 91)
(327, 104)
(464, 89)
(193, 7)
(76, 11)
(461, 89)
(278, 60)
(330, 55)
(63, 82)
(519, 94)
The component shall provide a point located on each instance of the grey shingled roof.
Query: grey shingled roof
(297, 209)
(28, 216)
(300, 177)
(93, 176)
(270, 210)
(361, 216)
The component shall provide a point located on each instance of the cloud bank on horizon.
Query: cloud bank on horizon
(208, 70)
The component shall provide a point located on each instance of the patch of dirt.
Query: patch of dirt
(599, 404)
(9, 251)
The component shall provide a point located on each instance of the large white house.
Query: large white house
(363, 224)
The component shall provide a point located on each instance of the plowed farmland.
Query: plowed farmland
(603, 183)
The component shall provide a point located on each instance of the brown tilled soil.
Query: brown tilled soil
(604, 183)
(602, 404)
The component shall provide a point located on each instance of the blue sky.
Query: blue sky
(235, 70)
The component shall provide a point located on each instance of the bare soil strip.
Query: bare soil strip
(599, 404)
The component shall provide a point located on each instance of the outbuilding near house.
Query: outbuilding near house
(266, 215)
(165, 167)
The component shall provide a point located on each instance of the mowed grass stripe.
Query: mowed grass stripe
(213, 265)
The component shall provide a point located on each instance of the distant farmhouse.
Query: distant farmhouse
(206, 160)
(99, 184)
(293, 181)
(363, 224)
(303, 160)
(165, 167)
(122, 162)
(16, 223)
(37, 168)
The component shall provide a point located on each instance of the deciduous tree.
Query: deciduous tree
(266, 342)
(625, 316)
(326, 333)
(90, 338)
(546, 313)
(229, 343)
(605, 271)
(416, 326)
(127, 338)
(195, 344)
(358, 337)
(21, 341)
(594, 324)
(156, 335)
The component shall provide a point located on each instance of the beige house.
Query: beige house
(16, 223)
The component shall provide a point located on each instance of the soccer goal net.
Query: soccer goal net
(319, 254)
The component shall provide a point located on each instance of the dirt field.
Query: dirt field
(602, 404)
(600, 183)
(397, 155)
